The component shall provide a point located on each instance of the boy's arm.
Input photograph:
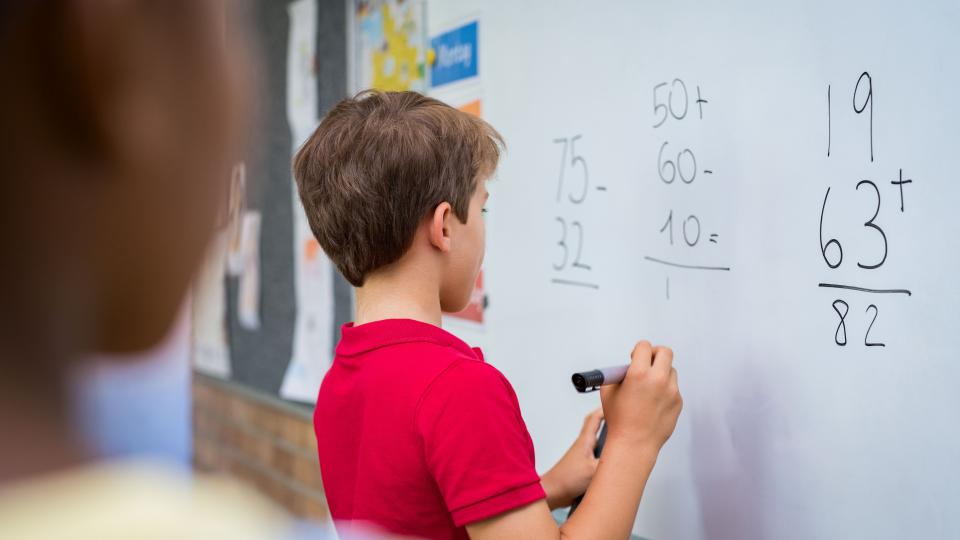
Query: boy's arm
(641, 413)
(531, 521)
(608, 510)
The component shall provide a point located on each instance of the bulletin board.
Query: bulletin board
(248, 301)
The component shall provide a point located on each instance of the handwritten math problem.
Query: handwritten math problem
(831, 248)
(684, 234)
(687, 242)
(781, 209)
(571, 266)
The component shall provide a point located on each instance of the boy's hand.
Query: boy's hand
(642, 411)
(569, 478)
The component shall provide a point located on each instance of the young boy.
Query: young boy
(416, 433)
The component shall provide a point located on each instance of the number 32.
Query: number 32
(563, 243)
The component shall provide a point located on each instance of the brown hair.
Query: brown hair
(378, 164)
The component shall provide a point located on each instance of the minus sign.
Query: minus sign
(601, 188)
(707, 171)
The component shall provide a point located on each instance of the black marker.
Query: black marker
(589, 381)
(601, 440)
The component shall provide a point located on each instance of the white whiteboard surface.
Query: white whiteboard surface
(784, 434)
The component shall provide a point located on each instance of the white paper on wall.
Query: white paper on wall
(210, 351)
(235, 214)
(313, 278)
(248, 293)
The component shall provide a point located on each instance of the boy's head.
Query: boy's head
(387, 174)
(120, 122)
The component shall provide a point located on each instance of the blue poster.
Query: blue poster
(456, 55)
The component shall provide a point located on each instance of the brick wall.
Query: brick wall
(266, 443)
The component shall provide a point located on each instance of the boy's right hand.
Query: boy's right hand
(642, 411)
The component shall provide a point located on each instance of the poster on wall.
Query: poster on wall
(455, 55)
(313, 271)
(390, 45)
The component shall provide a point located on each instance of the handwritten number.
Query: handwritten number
(839, 339)
(686, 100)
(562, 243)
(669, 169)
(693, 158)
(659, 106)
(662, 166)
(834, 241)
(662, 111)
(575, 159)
(869, 223)
(563, 165)
(866, 337)
(696, 238)
(566, 248)
(576, 260)
(669, 224)
(829, 122)
(867, 100)
(874, 226)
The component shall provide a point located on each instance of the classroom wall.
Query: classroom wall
(263, 442)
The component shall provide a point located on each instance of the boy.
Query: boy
(416, 433)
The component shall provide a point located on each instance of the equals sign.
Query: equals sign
(713, 238)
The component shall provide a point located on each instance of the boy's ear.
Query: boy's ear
(440, 227)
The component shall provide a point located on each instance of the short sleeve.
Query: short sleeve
(476, 445)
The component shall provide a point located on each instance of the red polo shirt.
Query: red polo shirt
(418, 435)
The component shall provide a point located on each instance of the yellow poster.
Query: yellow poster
(390, 45)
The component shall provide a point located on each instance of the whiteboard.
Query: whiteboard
(785, 433)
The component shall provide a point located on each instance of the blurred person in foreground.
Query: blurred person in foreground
(120, 121)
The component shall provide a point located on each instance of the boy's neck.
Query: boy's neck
(401, 291)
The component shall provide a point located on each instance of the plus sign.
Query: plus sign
(700, 102)
(900, 184)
